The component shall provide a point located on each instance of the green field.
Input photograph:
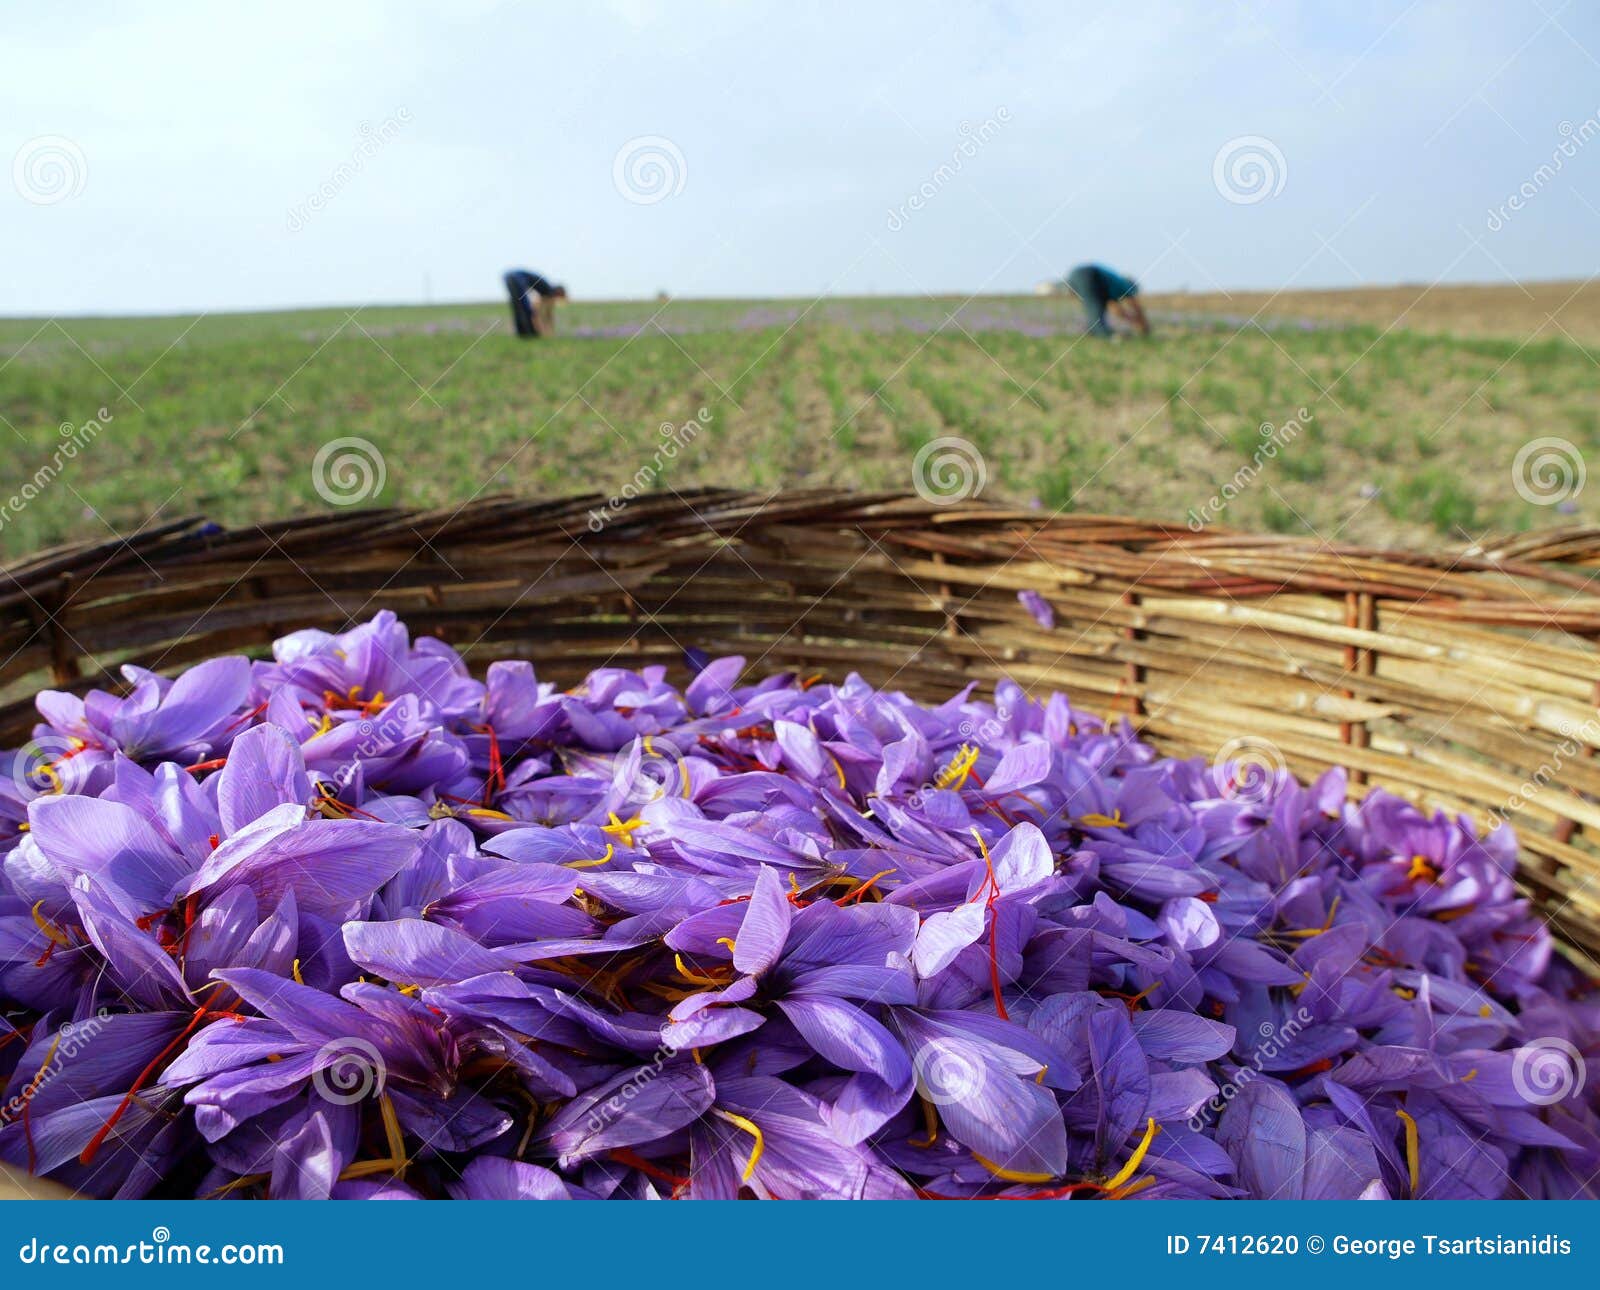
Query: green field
(1411, 436)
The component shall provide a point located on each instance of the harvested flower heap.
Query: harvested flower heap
(352, 923)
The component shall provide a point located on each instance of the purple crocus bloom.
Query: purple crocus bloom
(1039, 607)
(1280, 1157)
(183, 719)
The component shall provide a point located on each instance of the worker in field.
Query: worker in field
(533, 302)
(1102, 289)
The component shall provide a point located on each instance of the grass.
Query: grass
(1411, 434)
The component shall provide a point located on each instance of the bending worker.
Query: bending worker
(1101, 289)
(533, 302)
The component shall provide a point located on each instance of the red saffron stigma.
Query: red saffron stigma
(635, 1161)
(86, 1157)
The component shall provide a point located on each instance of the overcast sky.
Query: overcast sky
(170, 157)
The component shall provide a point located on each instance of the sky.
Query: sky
(181, 157)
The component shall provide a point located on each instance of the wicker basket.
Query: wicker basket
(1464, 680)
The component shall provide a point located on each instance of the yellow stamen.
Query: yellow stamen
(366, 1168)
(728, 941)
(698, 979)
(982, 845)
(295, 969)
(1421, 869)
(1011, 1175)
(1095, 820)
(391, 1129)
(1470, 1076)
(410, 991)
(527, 1132)
(958, 768)
(1486, 1011)
(1413, 1151)
(698, 1060)
(47, 1063)
(930, 1121)
(1307, 932)
(322, 726)
(487, 813)
(1132, 1189)
(1136, 1159)
(624, 829)
(838, 769)
(396, 1163)
(592, 864)
(246, 1180)
(750, 1127)
(52, 933)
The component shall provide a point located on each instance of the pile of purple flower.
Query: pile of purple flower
(351, 923)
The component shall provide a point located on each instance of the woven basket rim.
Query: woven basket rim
(1446, 675)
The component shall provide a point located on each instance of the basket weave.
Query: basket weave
(1464, 680)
